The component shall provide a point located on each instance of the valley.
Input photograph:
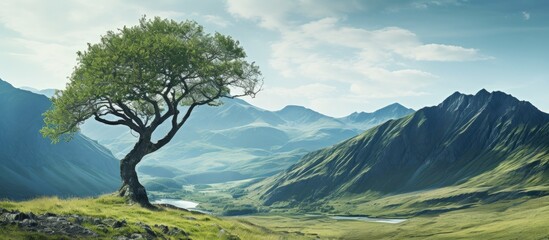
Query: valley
(296, 186)
(274, 120)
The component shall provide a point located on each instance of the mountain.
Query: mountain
(234, 141)
(489, 143)
(367, 120)
(49, 92)
(31, 166)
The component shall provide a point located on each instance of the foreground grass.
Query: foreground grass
(198, 226)
(514, 219)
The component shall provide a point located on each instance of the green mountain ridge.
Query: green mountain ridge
(31, 166)
(237, 137)
(489, 141)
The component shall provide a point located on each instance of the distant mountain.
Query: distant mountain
(488, 142)
(235, 137)
(31, 166)
(367, 120)
(49, 92)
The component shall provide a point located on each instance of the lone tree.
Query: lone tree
(147, 75)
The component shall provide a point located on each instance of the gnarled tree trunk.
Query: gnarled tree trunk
(131, 188)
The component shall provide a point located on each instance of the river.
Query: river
(369, 219)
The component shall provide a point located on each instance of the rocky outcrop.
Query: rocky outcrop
(48, 223)
(72, 226)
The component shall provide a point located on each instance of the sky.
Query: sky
(335, 57)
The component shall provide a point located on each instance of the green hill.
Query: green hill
(470, 148)
(109, 217)
(31, 166)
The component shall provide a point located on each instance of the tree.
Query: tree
(147, 75)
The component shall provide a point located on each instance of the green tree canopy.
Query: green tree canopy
(138, 76)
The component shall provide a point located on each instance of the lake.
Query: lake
(187, 205)
(369, 219)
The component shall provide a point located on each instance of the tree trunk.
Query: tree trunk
(131, 188)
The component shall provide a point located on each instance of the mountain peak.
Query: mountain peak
(394, 107)
(482, 92)
(294, 107)
(463, 139)
(391, 111)
(4, 84)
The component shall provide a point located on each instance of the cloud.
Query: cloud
(526, 15)
(424, 4)
(363, 64)
(216, 20)
(279, 14)
(49, 33)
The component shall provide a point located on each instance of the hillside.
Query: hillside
(109, 217)
(487, 146)
(236, 137)
(31, 166)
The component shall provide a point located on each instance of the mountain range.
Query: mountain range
(489, 143)
(31, 166)
(237, 141)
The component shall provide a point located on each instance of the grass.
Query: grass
(513, 219)
(522, 218)
(199, 226)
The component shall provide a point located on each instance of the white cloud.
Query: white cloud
(424, 4)
(49, 33)
(278, 14)
(365, 64)
(526, 15)
(441, 52)
(216, 20)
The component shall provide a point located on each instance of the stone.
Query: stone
(48, 214)
(164, 229)
(18, 216)
(118, 224)
(136, 236)
(176, 231)
(76, 219)
(96, 221)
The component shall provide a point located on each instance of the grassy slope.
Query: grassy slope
(201, 227)
(517, 219)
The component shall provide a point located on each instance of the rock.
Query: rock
(150, 232)
(96, 221)
(103, 228)
(190, 218)
(176, 231)
(119, 224)
(136, 236)
(18, 216)
(163, 228)
(29, 223)
(48, 230)
(76, 219)
(48, 214)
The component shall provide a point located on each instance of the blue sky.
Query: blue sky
(335, 57)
